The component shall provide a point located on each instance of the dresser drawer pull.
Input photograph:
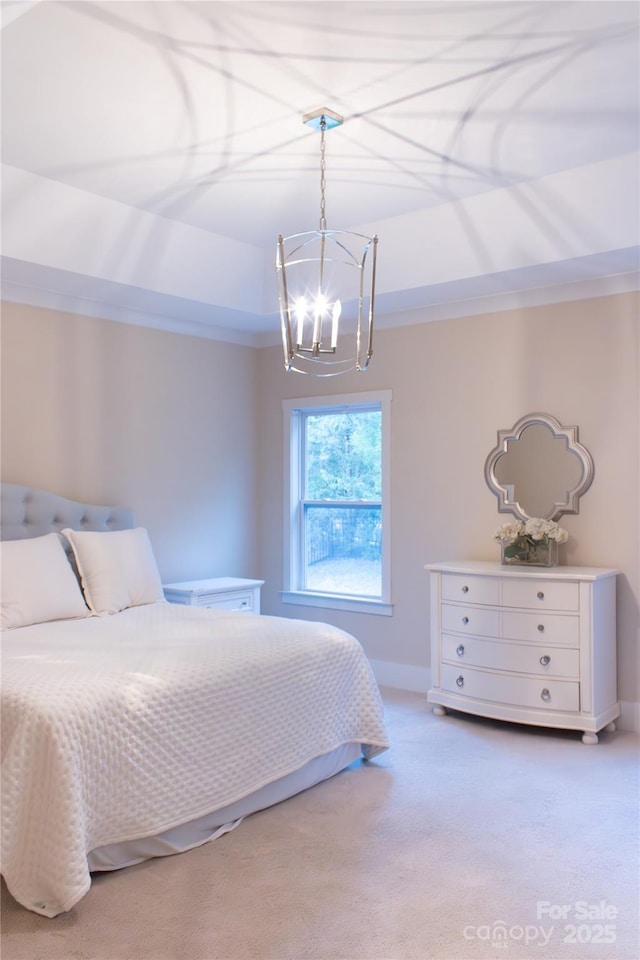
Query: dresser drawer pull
(460, 681)
(545, 695)
(540, 595)
(541, 627)
(465, 620)
(545, 661)
(460, 650)
(465, 589)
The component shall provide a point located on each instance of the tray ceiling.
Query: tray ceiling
(153, 151)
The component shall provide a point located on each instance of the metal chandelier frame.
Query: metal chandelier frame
(316, 282)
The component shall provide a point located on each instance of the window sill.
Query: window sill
(330, 602)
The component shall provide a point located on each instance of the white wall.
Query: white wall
(455, 383)
(108, 413)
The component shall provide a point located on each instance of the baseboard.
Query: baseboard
(404, 676)
(629, 718)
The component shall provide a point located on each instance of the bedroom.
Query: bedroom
(188, 430)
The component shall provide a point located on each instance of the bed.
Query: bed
(134, 728)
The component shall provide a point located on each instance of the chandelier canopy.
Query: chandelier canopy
(326, 288)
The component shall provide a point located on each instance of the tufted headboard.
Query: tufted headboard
(27, 512)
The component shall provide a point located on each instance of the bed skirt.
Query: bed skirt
(193, 834)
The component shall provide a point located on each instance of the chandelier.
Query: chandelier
(326, 286)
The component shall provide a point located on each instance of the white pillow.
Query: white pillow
(117, 569)
(38, 583)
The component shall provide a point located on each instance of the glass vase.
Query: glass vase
(528, 552)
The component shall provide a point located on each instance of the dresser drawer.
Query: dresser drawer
(461, 619)
(540, 594)
(542, 694)
(516, 657)
(541, 628)
(462, 589)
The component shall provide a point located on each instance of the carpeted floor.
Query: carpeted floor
(468, 839)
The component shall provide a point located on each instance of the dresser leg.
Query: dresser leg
(589, 737)
(439, 711)
(610, 727)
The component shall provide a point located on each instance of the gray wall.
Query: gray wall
(455, 383)
(189, 433)
(109, 413)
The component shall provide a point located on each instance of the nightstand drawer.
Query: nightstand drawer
(227, 601)
(220, 593)
(543, 694)
(518, 658)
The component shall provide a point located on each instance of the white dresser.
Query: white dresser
(225, 593)
(531, 645)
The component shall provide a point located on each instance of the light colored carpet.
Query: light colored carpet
(448, 846)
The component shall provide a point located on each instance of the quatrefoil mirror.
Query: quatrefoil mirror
(538, 468)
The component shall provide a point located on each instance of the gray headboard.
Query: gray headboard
(26, 512)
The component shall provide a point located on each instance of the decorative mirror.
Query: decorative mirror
(538, 468)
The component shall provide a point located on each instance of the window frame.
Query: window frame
(293, 536)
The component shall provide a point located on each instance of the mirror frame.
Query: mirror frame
(570, 434)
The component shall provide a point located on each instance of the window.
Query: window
(337, 502)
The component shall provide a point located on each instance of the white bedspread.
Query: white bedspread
(122, 727)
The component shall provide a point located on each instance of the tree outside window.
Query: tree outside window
(343, 465)
(337, 517)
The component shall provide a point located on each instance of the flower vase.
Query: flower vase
(529, 552)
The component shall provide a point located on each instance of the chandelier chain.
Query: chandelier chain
(323, 175)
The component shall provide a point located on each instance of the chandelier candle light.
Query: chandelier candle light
(325, 277)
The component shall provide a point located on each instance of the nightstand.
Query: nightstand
(222, 593)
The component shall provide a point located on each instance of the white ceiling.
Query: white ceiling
(153, 151)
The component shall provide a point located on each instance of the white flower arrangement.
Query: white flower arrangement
(529, 541)
(535, 529)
